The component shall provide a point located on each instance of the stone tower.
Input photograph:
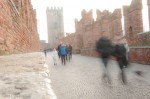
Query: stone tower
(55, 25)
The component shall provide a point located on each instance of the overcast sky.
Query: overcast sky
(72, 9)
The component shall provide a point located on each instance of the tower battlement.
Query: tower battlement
(55, 24)
(55, 8)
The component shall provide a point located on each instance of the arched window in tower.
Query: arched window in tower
(130, 32)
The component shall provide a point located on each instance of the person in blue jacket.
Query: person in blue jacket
(63, 52)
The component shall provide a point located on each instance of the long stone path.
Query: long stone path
(26, 76)
(81, 79)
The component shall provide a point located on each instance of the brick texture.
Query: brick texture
(18, 27)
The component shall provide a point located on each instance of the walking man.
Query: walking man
(121, 57)
(70, 52)
(104, 48)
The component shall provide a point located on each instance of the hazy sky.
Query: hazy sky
(72, 9)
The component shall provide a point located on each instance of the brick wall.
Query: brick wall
(18, 27)
(133, 21)
(110, 25)
(138, 40)
(140, 55)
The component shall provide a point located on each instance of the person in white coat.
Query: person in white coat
(55, 56)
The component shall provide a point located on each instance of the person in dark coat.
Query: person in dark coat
(104, 48)
(120, 51)
(121, 57)
(45, 52)
(70, 52)
(58, 50)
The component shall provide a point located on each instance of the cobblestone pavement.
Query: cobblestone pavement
(24, 76)
(81, 79)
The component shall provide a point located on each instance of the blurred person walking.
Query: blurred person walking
(120, 52)
(104, 48)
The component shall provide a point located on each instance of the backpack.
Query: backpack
(63, 50)
(120, 50)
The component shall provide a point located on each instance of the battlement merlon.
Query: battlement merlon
(98, 14)
(84, 13)
(136, 4)
(55, 8)
(117, 13)
(76, 20)
(102, 14)
(87, 16)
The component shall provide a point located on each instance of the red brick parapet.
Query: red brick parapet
(18, 27)
(140, 54)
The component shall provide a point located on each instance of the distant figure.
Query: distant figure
(58, 50)
(67, 48)
(63, 53)
(70, 52)
(45, 52)
(55, 57)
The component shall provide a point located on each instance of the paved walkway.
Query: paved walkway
(81, 79)
(24, 76)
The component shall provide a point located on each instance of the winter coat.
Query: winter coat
(104, 47)
(63, 50)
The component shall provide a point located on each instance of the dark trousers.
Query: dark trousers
(59, 55)
(123, 77)
(105, 75)
(63, 59)
(122, 62)
(66, 56)
(45, 54)
(105, 61)
(69, 56)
